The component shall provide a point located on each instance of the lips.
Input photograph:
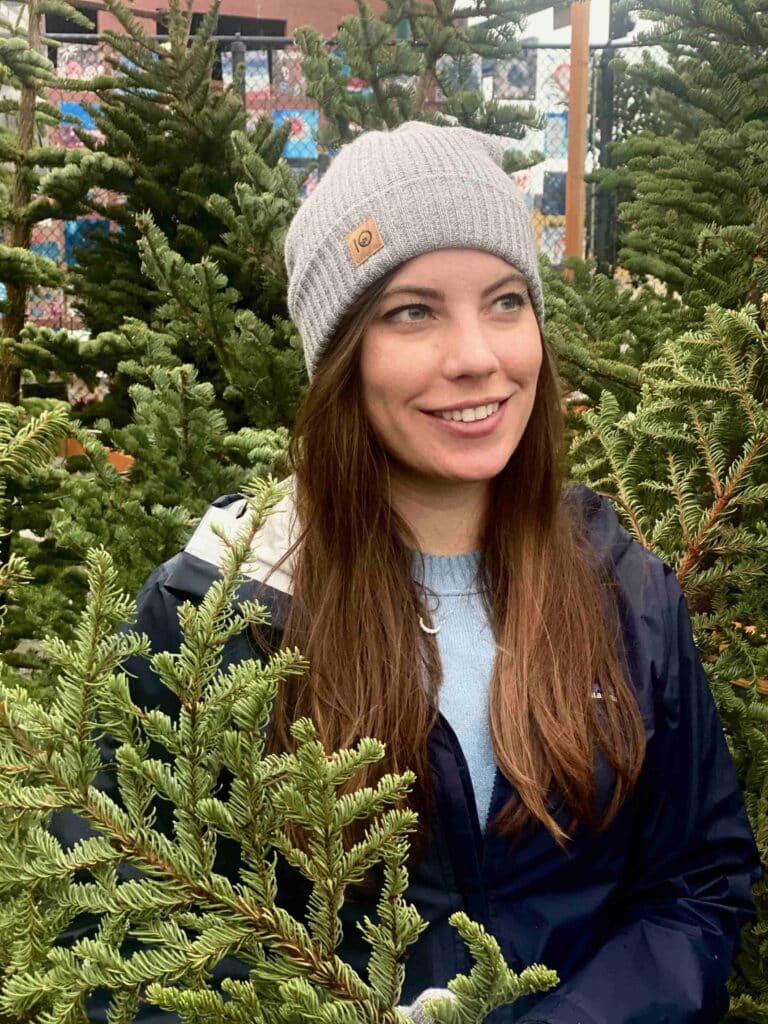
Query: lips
(471, 429)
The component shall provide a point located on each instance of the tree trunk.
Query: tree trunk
(21, 230)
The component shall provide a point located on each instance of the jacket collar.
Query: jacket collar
(275, 537)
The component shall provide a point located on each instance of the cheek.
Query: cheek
(389, 373)
(525, 359)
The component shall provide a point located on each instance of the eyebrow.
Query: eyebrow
(432, 293)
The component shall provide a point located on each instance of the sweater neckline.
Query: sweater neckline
(447, 574)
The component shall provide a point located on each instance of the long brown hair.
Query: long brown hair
(550, 600)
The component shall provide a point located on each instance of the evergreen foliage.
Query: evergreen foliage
(428, 76)
(31, 488)
(23, 447)
(175, 149)
(26, 75)
(688, 472)
(234, 296)
(165, 128)
(27, 445)
(183, 454)
(177, 428)
(687, 185)
(648, 110)
(165, 916)
(603, 331)
(260, 364)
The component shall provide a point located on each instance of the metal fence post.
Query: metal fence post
(605, 229)
(238, 60)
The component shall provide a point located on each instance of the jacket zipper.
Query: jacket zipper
(480, 897)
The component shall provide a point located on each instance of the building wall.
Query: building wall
(323, 15)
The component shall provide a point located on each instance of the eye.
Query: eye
(407, 310)
(518, 301)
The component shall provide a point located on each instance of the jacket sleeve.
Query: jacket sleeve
(688, 884)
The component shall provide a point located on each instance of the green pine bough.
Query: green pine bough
(156, 892)
(419, 60)
(687, 469)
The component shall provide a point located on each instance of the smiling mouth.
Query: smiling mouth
(488, 410)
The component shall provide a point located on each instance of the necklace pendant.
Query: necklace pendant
(423, 626)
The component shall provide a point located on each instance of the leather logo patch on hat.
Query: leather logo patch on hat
(364, 240)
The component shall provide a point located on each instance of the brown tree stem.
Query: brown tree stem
(21, 230)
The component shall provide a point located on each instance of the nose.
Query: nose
(469, 347)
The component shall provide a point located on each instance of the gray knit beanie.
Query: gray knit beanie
(392, 195)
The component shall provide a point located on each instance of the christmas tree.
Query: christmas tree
(181, 455)
(182, 450)
(173, 423)
(687, 185)
(171, 143)
(28, 443)
(433, 74)
(26, 75)
(31, 485)
(164, 915)
(604, 331)
(688, 472)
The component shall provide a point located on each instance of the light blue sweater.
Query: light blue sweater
(467, 651)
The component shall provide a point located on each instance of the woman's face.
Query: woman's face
(454, 330)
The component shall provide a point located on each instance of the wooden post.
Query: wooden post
(578, 95)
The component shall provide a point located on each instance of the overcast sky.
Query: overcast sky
(540, 25)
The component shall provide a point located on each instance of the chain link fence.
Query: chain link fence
(274, 86)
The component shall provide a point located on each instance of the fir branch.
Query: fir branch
(179, 914)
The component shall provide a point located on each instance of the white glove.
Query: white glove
(416, 1011)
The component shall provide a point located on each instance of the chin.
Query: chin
(471, 472)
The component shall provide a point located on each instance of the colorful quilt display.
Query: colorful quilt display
(553, 194)
(79, 60)
(301, 143)
(256, 71)
(51, 250)
(553, 242)
(76, 111)
(287, 75)
(515, 78)
(556, 135)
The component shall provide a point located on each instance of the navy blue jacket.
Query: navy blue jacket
(642, 922)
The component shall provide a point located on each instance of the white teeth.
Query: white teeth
(480, 412)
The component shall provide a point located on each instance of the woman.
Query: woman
(501, 632)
